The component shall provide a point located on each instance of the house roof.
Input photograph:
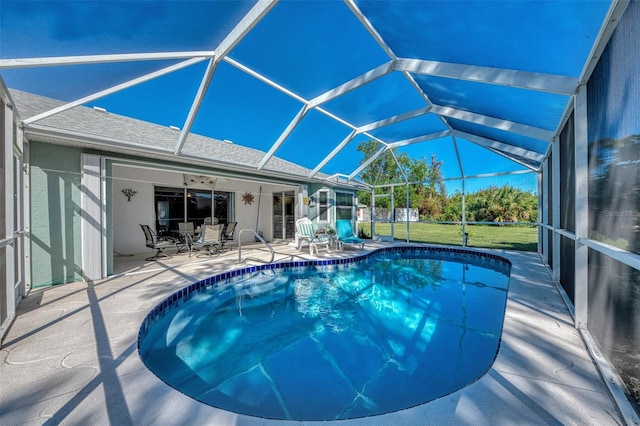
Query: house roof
(98, 127)
(310, 80)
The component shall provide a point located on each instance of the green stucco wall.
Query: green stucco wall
(314, 211)
(56, 255)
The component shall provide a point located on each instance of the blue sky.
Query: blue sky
(305, 56)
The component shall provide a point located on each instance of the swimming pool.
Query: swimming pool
(325, 340)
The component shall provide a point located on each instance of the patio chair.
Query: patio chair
(154, 243)
(185, 230)
(306, 234)
(210, 221)
(210, 240)
(227, 234)
(346, 235)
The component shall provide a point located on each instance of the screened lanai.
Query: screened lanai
(540, 95)
(320, 75)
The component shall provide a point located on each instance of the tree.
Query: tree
(381, 171)
(428, 196)
(493, 204)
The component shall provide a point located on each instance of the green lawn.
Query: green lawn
(489, 236)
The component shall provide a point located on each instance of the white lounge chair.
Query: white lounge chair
(305, 234)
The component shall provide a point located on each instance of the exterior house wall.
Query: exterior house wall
(314, 211)
(55, 180)
(127, 216)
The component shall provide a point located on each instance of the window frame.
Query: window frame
(182, 195)
(343, 207)
(323, 207)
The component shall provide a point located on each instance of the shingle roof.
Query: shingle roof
(95, 123)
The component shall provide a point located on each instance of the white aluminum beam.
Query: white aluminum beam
(494, 174)
(9, 257)
(404, 175)
(501, 146)
(366, 163)
(264, 79)
(419, 139)
(555, 210)
(333, 153)
(195, 106)
(113, 89)
(546, 171)
(350, 85)
(568, 110)
(381, 42)
(293, 95)
(455, 147)
(246, 24)
(101, 59)
(611, 22)
(395, 119)
(628, 258)
(581, 159)
(540, 228)
(496, 123)
(503, 77)
(367, 25)
(515, 159)
(283, 136)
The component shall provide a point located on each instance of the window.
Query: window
(174, 205)
(223, 208)
(323, 206)
(344, 205)
(198, 206)
(169, 204)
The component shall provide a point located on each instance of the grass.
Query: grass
(522, 238)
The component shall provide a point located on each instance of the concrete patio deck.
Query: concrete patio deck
(71, 356)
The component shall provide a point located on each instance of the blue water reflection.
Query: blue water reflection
(393, 331)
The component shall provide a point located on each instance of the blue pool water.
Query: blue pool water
(394, 329)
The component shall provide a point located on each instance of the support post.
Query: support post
(464, 216)
(91, 217)
(581, 208)
(392, 217)
(540, 217)
(407, 214)
(555, 210)
(373, 215)
(545, 211)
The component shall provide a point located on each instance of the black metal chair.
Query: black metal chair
(154, 243)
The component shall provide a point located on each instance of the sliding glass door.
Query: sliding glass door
(284, 227)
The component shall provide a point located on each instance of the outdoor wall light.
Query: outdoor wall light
(128, 192)
(312, 201)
